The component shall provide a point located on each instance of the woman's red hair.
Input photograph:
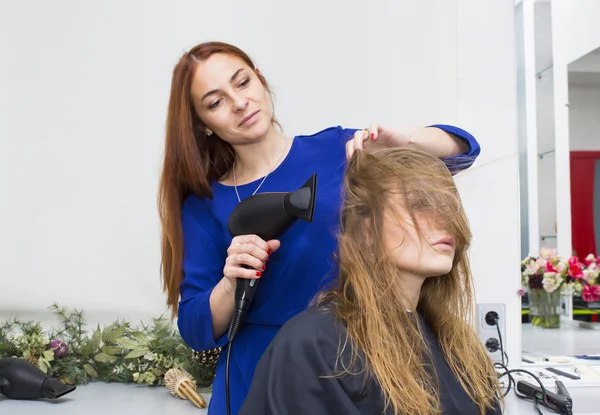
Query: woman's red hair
(192, 160)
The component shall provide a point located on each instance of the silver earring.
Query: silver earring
(208, 132)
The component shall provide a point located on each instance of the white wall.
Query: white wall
(584, 114)
(578, 26)
(82, 110)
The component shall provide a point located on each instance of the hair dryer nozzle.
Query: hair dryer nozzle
(301, 203)
(54, 389)
(20, 379)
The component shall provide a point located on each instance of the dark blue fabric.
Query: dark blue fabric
(297, 374)
(294, 273)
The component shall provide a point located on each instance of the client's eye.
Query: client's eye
(420, 204)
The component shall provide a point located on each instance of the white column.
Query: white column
(531, 125)
(561, 129)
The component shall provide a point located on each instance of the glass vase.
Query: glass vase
(544, 308)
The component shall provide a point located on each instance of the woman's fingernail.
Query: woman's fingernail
(264, 267)
(258, 273)
(269, 251)
(372, 136)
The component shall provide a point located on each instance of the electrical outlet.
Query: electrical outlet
(488, 333)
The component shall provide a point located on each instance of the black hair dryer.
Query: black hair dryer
(20, 379)
(268, 215)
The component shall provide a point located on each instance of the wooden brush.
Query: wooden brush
(181, 385)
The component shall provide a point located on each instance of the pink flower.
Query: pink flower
(591, 293)
(575, 269)
(61, 349)
(550, 268)
(573, 260)
(541, 262)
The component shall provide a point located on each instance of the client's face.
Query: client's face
(426, 255)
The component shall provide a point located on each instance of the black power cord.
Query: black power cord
(244, 292)
(233, 329)
(492, 318)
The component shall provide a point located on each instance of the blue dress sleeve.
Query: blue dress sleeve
(462, 161)
(456, 163)
(203, 269)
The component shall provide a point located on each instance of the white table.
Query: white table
(117, 399)
(569, 340)
(107, 399)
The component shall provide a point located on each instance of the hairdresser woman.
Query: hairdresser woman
(222, 146)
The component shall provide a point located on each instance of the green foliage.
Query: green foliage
(116, 353)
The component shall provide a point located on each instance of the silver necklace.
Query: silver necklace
(264, 178)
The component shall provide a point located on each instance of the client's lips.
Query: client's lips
(248, 117)
(449, 241)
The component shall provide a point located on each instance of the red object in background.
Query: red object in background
(582, 201)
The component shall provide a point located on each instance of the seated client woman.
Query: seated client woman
(392, 334)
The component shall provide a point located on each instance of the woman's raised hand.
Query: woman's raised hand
(363, 138)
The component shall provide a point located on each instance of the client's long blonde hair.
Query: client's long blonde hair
(367, 294)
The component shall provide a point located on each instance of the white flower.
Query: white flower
(589, 275)
(149, 356)
(567, 289)
(551, 281)
(532, 268)
(590, 258)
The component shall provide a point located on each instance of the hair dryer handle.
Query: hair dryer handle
(244, 291)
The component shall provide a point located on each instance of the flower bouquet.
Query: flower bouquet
(548, 277)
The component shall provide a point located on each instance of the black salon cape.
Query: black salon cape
(288, 379)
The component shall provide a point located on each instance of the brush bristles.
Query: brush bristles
(181, 385)
(188, 389)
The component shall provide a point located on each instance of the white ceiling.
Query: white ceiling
(587, 63)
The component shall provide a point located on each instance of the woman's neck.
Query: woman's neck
(258, 159)
(411, 289)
